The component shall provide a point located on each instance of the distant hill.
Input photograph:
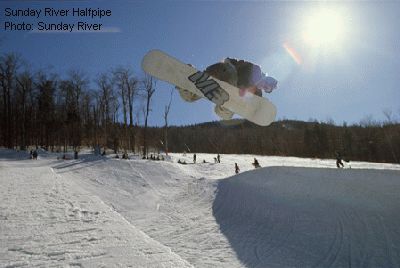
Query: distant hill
(378, 143)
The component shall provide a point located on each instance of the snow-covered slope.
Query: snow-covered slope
(312, 217)
(109, 212)
(48, 220)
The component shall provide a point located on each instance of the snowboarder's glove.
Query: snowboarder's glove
(222, 112)
(188, 95)
(267, 84)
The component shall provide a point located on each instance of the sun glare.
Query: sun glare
(324, 29)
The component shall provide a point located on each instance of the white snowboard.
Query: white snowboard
(256, 109)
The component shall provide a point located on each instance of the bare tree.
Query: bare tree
(24, 89)
(149, 89)
(121, 87)
(73, 90)
(9, 65)
(46, 85)
(79, 83)
(388, 134)
(127, 86)
(368, 121)
(132, 86)
(131, 83)
(105, 101)
(166, 112)
(389, 116)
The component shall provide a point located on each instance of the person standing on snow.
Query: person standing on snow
(35, 155)
(245, 75)
(255, 163)
(339, 162)
(237, 169)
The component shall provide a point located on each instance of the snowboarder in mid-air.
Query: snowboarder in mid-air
(245, 75)
(234, 86)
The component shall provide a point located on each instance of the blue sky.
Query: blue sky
(353, 75)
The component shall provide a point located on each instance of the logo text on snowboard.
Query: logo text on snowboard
(210, 88)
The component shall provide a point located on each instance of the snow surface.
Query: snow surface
(105, 212)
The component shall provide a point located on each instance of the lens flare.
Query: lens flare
(293, 53)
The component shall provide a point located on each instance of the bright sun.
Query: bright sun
(324, 29)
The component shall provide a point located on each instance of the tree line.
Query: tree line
(365, 141)
(111, 110)
(42, 108)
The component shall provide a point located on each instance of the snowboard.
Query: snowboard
(162, 66)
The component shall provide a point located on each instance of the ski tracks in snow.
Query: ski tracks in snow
(185, 221)
(268, 218)
(166, 214)
(360, 240)
(55, 222)
(276, 219)
(44, 226)
(169, 204)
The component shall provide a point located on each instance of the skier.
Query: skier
(237, 169)
(194, 158)
(239, 73)
(35, 155)
(218, 158)
(255, 163)
(339, 162)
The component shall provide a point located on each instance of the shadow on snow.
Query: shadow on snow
(296, 217)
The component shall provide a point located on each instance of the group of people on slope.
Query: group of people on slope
(33, 154)
(217, 159)
(255, 164)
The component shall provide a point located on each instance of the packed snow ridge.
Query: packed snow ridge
(106, 212)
